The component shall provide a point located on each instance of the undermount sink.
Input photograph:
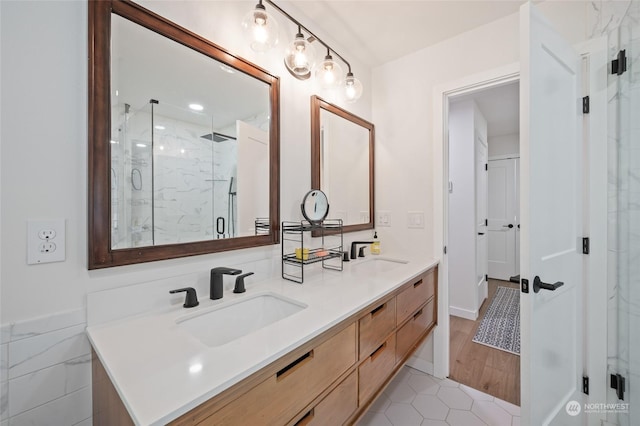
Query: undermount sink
(228, 322)
(377, 265)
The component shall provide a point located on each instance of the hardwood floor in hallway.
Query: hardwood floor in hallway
(489, 370)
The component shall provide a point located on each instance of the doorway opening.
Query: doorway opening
(483, 239)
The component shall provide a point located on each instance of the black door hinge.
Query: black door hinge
(486, 166)
(444, 250)
(585, 105)
(486, 222)
(617, 383)
(619, 65)
(486, 277)
(585, 245)
(585, 385)
(525, 285)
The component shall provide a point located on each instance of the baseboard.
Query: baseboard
(421, 365)
(463, 313)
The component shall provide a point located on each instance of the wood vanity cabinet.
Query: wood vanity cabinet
(330, 380)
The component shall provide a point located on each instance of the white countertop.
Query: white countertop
(161, 371)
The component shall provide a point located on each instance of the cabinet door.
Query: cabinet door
(376, 326)
(279, 398)
(375, 370)
(415, 295)
(336, 407)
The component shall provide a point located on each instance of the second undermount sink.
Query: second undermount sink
(227, 322)
(377, 265)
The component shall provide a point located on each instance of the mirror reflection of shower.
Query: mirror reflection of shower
(174, 177)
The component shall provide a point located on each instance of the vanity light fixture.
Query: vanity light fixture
(300, 56)
(260, 29)
(329, 72)
(262, 32)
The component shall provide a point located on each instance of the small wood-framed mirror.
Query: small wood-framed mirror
(183, 142)
(342, 159)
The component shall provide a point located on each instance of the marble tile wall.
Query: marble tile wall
(623, 30)
(45, 368)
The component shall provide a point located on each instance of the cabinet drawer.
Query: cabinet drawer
(408, 335)
(376, 369)
(279, 398)
(376, 326)
(415, 295)
(336, 407)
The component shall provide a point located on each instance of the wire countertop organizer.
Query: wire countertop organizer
(305, 243)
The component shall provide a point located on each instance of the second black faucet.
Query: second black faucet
(215, 285)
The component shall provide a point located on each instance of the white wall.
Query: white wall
(407, 159)
(465, 120)
(44, 174)
(504, 145)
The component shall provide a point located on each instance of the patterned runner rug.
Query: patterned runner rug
(500, 326)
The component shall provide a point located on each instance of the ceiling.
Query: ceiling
(375, 32)
(500, 106)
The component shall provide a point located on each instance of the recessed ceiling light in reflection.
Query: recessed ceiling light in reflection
(112, 141)
(196, 107)
(195, 368)
(161, 148)
(159, 127)
(182, 151)
(141, 145)
(227, 69)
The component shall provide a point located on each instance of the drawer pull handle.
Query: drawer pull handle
(291, 367)
(417, 314)
(378, 309)
(306, 419)
(416, 284)
(378, 351)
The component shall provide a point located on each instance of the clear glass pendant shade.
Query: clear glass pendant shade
(329, 73)
(300, 56)
(352, 88)
(260, 29)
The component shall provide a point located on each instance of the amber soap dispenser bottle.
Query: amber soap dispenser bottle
(375, 246)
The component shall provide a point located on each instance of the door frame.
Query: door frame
(441, 95)
(595, 130)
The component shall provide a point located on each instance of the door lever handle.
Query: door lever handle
(538, 284)
(508, 226)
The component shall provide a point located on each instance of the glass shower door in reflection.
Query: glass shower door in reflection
(624, 222)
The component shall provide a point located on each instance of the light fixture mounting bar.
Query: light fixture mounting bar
(295, 21)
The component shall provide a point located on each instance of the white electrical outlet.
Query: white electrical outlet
(45, 241)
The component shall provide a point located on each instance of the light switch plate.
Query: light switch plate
(415, 220)
(383, 218)
(45, 241)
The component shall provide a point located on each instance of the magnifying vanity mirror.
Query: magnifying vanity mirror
(342, 163)
(315, 206)
(183, 142)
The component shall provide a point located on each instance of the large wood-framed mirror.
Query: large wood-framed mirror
(183, 142)
(342, 160)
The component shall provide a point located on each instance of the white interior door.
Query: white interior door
(502, 212)
(550, 158)
(481, 218)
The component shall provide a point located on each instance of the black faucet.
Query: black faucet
(215, 285)
(191, 300)
(353, 248)
(239, 287)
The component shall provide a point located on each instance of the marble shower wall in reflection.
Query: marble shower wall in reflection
(192, 182)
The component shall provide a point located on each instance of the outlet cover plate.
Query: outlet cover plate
(45, 241)
(415, 220)
(383, 218)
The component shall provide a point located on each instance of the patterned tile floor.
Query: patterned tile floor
(416, 398)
